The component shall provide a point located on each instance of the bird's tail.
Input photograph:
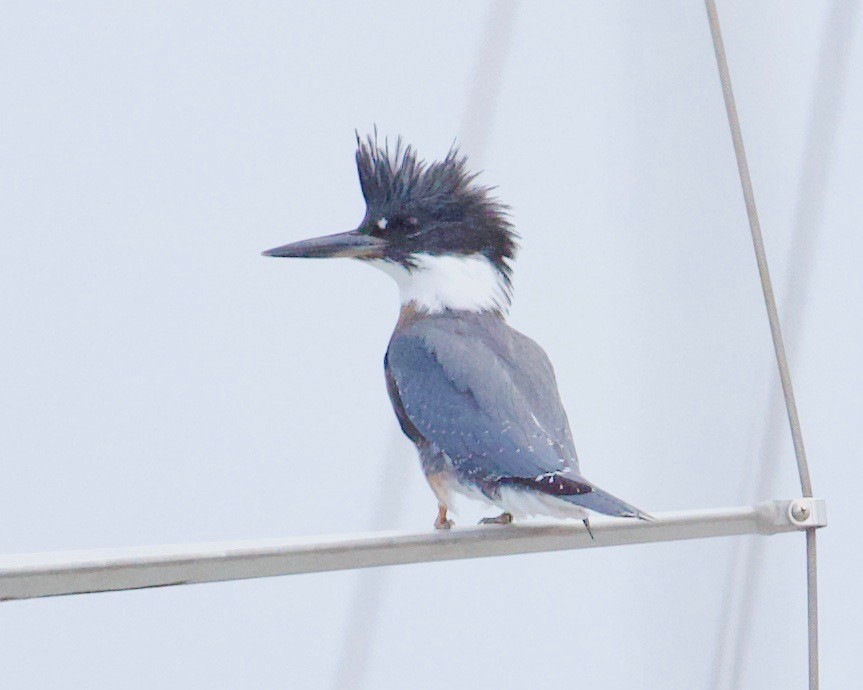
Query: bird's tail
(603, 502)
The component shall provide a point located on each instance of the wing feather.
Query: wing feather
(486, 396)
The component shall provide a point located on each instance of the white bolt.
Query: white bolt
(799, 511)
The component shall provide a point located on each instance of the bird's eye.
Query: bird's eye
(396, 226)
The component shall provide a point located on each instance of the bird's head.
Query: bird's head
(443, 237)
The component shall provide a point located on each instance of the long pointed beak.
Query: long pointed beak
(353, 245)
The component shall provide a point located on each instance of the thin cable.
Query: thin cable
(760, 256)
(812, 605)
(484, 94)
(825, 110)
(364, 613)
(351, 667)
(775, 331)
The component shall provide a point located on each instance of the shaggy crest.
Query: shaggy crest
(442, 197)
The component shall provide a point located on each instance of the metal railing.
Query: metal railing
(108, 570)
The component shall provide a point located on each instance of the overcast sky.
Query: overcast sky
(160, 382)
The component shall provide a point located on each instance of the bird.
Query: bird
(477, 398)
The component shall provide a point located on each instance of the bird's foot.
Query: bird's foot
(587, 527)
(441, 521)
(502, 519)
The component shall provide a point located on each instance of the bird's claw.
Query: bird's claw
(441, 521)
(502, 519)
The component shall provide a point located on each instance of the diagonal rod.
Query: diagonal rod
(760, 255)
(775, 331)
(825, 110)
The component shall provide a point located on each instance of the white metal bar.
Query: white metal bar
(41, 575)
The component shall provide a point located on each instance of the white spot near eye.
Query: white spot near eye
(382, 223)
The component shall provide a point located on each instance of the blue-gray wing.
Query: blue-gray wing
(486, 396)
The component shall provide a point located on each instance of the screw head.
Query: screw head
(799, 511)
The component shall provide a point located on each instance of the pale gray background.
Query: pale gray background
(161, 382)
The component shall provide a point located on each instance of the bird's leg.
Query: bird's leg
(587, 527)
(502, 519)
(441, 521)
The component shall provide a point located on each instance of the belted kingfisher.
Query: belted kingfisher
(477, 398)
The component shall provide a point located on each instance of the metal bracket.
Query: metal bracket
(804, 513)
